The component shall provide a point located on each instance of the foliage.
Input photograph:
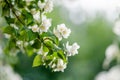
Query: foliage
(29, 31)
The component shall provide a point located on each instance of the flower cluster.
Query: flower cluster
(112, 53)
(7, 73)
(116, 28)
(62, 31)
(112, 74)
(29, 30)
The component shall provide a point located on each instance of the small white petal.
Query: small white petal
(36, 16)
(60, 66)
(116, 28)
(72, 49)
(35, 28)
(41, 5)
(49, 6)
(57, 34)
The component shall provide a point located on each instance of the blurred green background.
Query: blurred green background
(93, 35)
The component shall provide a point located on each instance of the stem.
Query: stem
(17, 17)
(11, 7)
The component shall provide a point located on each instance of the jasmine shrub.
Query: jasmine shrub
(29, 31)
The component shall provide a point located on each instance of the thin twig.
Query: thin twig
(11, 6)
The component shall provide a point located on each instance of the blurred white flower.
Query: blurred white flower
(19, 43)
(28, 1)
(41, 5)
(62, 31)
(26, 44)
(33, 11)
(65, 32)
(7, 73)
(52, 64)
(48, 6)
(14, 26)
(73, 49)
(101, 76)
(1, 50)
(31, 42)
(7, 36)
(116, 28)
(36, 16)
(60, 66)
(112, 74)
(46, 23)
(44, 54)
(57, 34)
(35, 28)
(111, 53)
(41, 52)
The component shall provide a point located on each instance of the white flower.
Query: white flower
(26, 44)
(48, 6)
(41, 52)
(60, 66)
(116, 28)
(62, 31)
(65, 32)
(7, 36)
(26, 8)
(57, 34)
(28, 2)
(41, 5)
(19, 43)
(35, 28)
(46, 23)
(36, 16)
(101, 76)
(14, 26)
(72, 50)
(33, 11)
(32, 42)
(112, 74)
(7, 73)
(111, 53)
(52, 64)
(1, 50)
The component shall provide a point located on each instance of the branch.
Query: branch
(11, 6)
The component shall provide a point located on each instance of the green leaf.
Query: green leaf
(28, 17)
(23, 35)
(29, 50)
(31, 35)
(37, 61)
(61, 55)
(10, 20)
(48, 43)
(37, 44)
(9, 30)
(11, 45)
(6, 10)
(51, 36)
(45, 49)
(20, 4)
(42, 0)
(55, 40)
